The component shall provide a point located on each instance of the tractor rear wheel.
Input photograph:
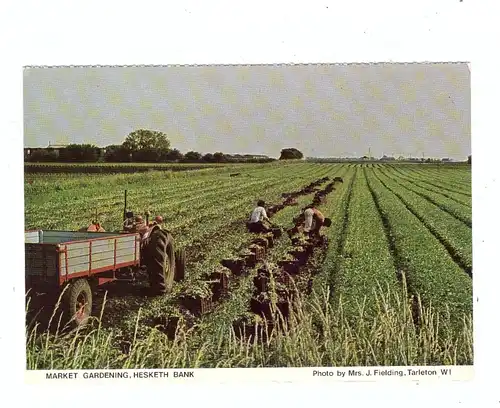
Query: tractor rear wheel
(180, 264)
(78, 302)
(161, 262)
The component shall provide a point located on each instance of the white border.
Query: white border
(110, 32)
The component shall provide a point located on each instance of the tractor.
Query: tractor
(76, 262)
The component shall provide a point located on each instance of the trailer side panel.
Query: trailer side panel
(98, 255)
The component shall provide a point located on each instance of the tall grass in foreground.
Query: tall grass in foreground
(318, 333)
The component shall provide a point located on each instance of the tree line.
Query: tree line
(145, 146)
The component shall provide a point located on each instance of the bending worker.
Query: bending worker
(314, 220)
(259, 215)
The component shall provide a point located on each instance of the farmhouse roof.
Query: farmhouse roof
(57, 146)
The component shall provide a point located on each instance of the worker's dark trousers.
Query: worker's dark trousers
(317, 227)
(257, 227)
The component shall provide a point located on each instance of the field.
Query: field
(106, 168)
(391, 285)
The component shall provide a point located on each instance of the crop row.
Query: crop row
(45, 192)
(444, 178)
(337, 211)
(454, 234)
(107, 168)
(429, 269)
(366, 263)
(441, 180)
(460, 177)
(64, 213)
(461, 197)
(459, 211)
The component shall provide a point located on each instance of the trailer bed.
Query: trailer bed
(58, 256)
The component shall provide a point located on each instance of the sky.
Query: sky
(322, 110)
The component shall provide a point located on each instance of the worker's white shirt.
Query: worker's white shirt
(258, 214)
(308, 223)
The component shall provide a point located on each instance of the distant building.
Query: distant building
(256, 156)
(55, 148)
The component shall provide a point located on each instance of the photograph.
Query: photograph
(248, 216)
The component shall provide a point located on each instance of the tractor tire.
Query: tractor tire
(180, 265)
(78, 302)
(160, 262)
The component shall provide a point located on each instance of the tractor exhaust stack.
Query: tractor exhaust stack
(125, 207)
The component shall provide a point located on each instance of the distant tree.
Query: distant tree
(219, 157)
(80, 153)
(116, 154)
(173, 155)
(147, 145)
(42, 155)
(208, 158)
(469, 159)
(291, 154)
(148, 155)
(192, 157)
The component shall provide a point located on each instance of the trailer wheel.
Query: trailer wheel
(161, 262)
(180, 264)
(79, 302)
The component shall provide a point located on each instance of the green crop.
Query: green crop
(390, 288)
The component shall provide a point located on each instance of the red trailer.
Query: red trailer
(76, 262)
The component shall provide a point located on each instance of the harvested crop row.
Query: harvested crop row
(211, 238)
(454, 235)
(200, 289)
(431, 272)
(221, 245)
(286, 217)
(285, 271)
(239, 210)
(337, 211)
